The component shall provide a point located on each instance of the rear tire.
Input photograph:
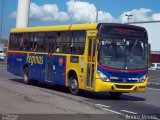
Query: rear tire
(73, 85)
(26, 78)
(115, 95)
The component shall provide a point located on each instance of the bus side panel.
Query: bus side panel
(59, 70)
(14, 63)
(36, 63)
(40, 68)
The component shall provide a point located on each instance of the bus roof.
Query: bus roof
(88, 26)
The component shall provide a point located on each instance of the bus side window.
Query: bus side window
(15, 39)
(58, 42)
(66, 38)
(25, 42)
(40, 45)
(21, 44)
(11, 41)
(51, 38)
(66, 42)
(78, 42)
(63, 42)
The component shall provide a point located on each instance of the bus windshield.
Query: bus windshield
(123, 50)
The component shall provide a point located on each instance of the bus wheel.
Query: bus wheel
(26, 78)
(73, 86)
(115, 95)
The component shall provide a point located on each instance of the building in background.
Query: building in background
(4, 45)
(153, 29)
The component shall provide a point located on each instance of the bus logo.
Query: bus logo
(60, 61)
(34, 59)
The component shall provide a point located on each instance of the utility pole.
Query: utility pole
(128, 16)
(97, 11)
(96, 14)
(1, 25)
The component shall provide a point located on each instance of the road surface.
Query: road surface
(15, 97)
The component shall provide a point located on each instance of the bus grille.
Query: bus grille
(124, 86)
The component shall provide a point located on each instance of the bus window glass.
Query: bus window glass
(123, 50)
(51, 42)
(15, 40)
(39, 42)
(26, 42)
(78, 42)
(65, 42)
(112, 53)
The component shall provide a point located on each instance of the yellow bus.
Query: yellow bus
(99, 57)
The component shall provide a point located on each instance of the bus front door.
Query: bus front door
(91, 63)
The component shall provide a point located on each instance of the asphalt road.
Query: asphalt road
(154, 79)
(129, 104)
(44, 101)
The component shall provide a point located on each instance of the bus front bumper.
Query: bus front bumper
(120, 87)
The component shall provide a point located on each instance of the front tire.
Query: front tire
(73, 86)
(26, 78)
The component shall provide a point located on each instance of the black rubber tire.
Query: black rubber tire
(115, 95)
(73, 85)
(26, 78)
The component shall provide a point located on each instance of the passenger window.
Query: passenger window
(51, 41)
(15, 39)
(39, 44)
(58, 42)
(63, 42)
(78, 42)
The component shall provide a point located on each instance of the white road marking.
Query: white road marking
(153, 77)
(156, 83)
(153, 89)
(103, 105)
(126, 111)
(113, 111)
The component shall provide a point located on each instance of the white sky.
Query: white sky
(153, 30)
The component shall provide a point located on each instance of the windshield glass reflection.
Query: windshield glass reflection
(123, 53)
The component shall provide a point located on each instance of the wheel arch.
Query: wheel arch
(25, 65)
(70, 73)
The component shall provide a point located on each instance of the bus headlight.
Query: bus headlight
(142, 79)
(102, 76)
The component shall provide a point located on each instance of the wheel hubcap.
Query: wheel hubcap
(25, 77)
(74, 84)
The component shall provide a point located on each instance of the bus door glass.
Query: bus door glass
(51, 49)
(91, 62)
